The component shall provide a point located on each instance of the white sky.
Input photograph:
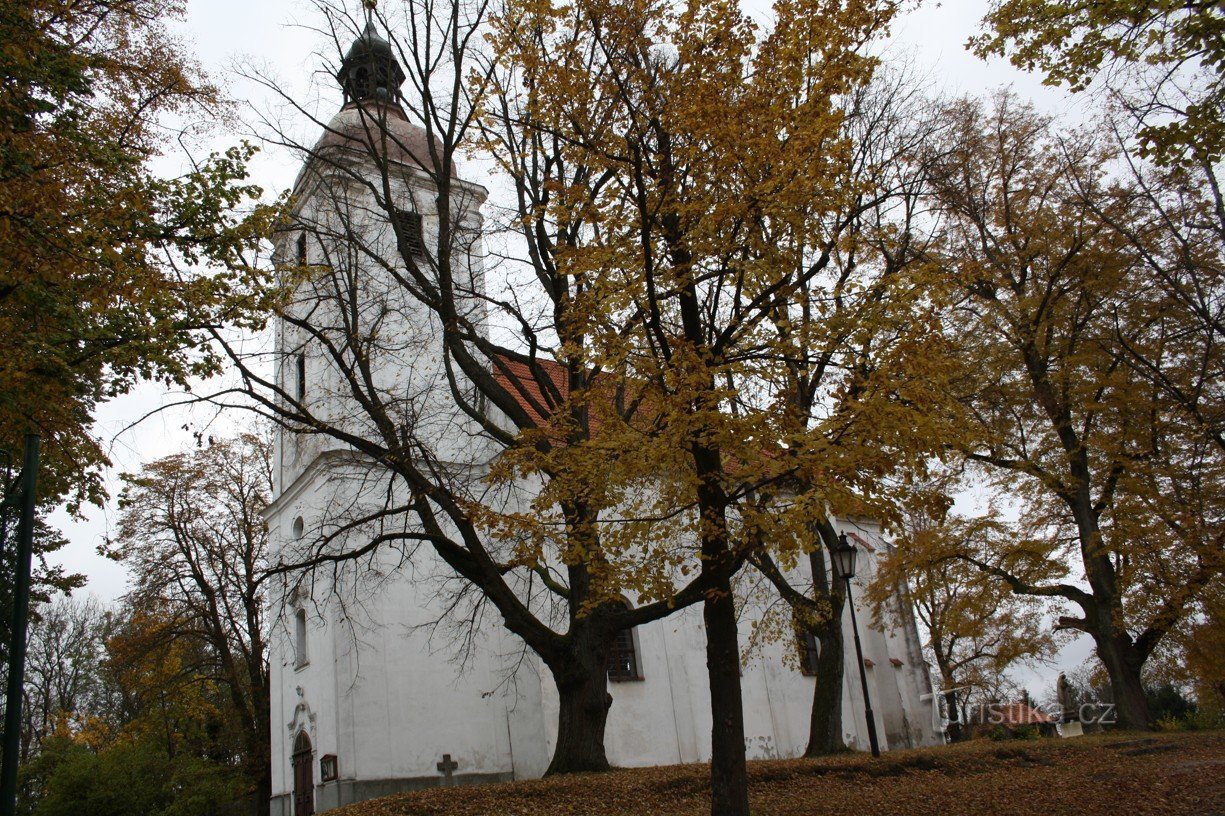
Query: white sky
(277, 36)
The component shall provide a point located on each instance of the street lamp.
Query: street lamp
(843, 558)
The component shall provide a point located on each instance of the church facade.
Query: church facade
(373, 691)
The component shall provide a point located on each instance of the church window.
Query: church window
(301, 365)
(809, 652)
(299, 527)
(623, 656)
(302, 259)
(412, 231)
(300, 658)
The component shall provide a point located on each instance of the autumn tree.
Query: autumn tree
(862, 366)
(620, 332)
(1162, 62)
(65, 685)
(1084, 446)
(976, 627)
(102, 283)
(190, 533)
(1171, 334)
(728, 165)
(161, 740)
(1204, 665)
(390, 319)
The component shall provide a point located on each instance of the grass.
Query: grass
(1133, 775)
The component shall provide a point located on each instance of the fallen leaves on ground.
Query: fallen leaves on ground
(1137, 775)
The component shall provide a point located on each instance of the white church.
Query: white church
(367, 698)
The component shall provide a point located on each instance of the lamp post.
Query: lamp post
(843, 557)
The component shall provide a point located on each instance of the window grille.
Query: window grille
(623, 658)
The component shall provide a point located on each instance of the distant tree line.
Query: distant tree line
(159, 705)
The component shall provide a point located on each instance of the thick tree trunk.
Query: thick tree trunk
(952, 705)
(729, 792)
(582, 689)
(1104, 617)
(1123, 664)
(263, 789)
(825, 725)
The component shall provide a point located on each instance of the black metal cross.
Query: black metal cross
(446, 767)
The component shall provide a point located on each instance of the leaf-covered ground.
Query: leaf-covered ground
(1133, 775)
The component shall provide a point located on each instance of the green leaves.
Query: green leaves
(1166, 59)
(101, 278)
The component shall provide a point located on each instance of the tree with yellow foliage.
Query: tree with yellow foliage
(101, 261)
(976, 627)
(190, 532)
(860, 387)
(1117, 495)
(725, 155)
(1162, 63)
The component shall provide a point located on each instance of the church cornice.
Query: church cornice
(335, 457)
(321, 460)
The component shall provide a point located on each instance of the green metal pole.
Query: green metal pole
(21, 617)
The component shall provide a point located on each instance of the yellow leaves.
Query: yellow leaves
(1046, 776)
(92, 245)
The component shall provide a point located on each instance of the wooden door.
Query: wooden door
(303, 777)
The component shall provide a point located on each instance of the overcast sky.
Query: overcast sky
(278, 37)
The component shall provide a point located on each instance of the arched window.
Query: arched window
(302, 249)
(300, 657)
(623, 656)
(299, 527)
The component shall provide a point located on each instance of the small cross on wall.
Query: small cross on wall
(446, 768)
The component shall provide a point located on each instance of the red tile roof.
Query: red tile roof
(863, 542)
(518, 378)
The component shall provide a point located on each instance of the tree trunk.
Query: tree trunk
(954, 713)
(263, 789)
(1105, 615)
(825, 725)
(261, 757)
(582, 689)
(729, 791)
(825, 722)
(1123, 663)
(957, 720)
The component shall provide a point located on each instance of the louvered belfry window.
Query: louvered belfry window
(412, 231)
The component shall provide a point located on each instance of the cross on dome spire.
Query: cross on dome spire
(370, 70)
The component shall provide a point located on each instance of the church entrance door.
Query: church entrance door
(303, 777)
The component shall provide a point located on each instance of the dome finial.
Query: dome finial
(370, 69)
